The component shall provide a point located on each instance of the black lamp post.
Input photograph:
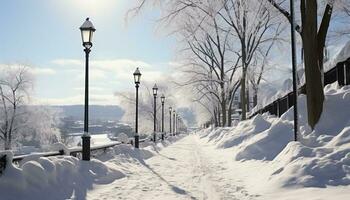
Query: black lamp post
(294, 71)
(170, 111)
(87, 30)
(174, 117)
(155, 90)
(137, 78)
(162, 98)
(176, 122)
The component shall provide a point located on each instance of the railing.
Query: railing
(75, 150)
(71, 151)
(340, 73)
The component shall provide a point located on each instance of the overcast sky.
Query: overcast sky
(45, 35)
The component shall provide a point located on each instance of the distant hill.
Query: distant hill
(96, 112)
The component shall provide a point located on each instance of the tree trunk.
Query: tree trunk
(215, 118)
(219, 117)
(248, 98)
(223, 112)
(243, 95)
(255, 97)
(314, 86)
(7, 144)
(229, 115)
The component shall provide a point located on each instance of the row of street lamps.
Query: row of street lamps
(87, 30)
(137, 78)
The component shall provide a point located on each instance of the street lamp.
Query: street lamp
(170, 110)
(176, 123)
(87, 30)
(162, 98)
(294, 70)
(137, 77)
(155, 90)
(174, 117)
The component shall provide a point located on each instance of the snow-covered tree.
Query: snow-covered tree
(146, 112)
(313, 35)
(18, 121)
(214, 30)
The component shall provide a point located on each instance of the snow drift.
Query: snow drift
(53, 177)
(66, 177)
(321, 157)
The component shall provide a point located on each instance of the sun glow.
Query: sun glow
(95, 7)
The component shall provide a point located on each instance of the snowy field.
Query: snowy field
(255, 159)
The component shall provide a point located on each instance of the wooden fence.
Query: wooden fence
(340, 73)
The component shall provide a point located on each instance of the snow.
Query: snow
(54, 177)
(339, 54)
(319, 159)
(67, 177)
(255, 159)
(342, 54)
(124, 138)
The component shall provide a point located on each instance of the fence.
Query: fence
(72, 152)
(340, 73)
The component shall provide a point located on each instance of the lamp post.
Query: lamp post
(87, 30)
(155, 90)
(174, 117)
(176, 123)
(170, 111)
(137, 77)
(162, 98)
(294, 71)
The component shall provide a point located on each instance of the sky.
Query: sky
(45, 35)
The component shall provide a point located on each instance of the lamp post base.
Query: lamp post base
(137, 141)
(86, 147)
(154, 137)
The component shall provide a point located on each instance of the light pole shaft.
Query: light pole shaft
(154, 118)
(137, 118)
(163, 117)
(137, 110)
(294, 67)
(86, 110)
(86, 136)
(170, 122)
(174, 124)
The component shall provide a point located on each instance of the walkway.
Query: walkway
(187, 169)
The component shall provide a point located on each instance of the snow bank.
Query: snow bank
(298, 164)
(243, 131)
(55, 177)
(66, 177)
(320, 158)
(266, 145)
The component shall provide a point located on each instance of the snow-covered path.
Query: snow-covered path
(187, 169)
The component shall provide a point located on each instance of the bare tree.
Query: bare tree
(146, 113)
(213, 30)
(313, 36)
(251, 22)
(14, 91)
(210, 60)
(18, 121)
(261, 62)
